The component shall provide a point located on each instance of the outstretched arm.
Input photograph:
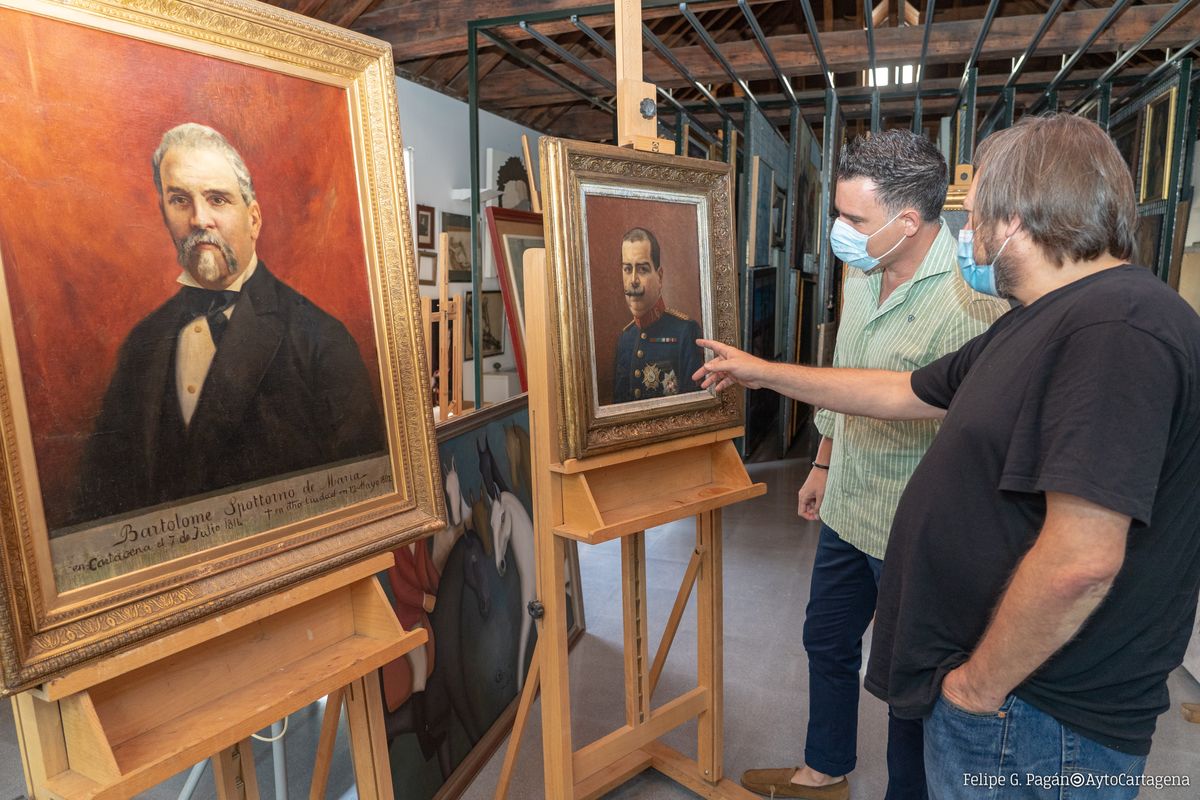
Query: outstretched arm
(863, 392)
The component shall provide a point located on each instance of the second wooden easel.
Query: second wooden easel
(111, 729)
(448, 322)
(588, 500)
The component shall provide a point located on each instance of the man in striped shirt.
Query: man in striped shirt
(905, 305)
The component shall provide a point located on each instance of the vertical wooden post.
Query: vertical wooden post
(631, 89)
(710, 671)
(368, 740)
(535, 198)
(445, 368)
(43, 745)
(233, 772)
(637, 660)
(557, 747)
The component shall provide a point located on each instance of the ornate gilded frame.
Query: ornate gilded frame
(45, 631)
(567, 167)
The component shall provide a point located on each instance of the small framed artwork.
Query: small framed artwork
(426, 235)
(778, 217)
(427, 267)
(511, 234)
(643, 266)
(458, 226)
(251, 407)
(1156, 148)
(1148, 241)
(491, 314)
(1127, 137)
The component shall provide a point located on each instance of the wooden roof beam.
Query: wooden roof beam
(949, 43)
(433, 27)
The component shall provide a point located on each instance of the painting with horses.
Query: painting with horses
(448, 705)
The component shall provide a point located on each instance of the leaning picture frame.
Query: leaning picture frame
(511, 234)
(1157, 143)
(427, 267)
(449, 706)
(623, 348)
(144, 486)
(458, 228)
(491, 314)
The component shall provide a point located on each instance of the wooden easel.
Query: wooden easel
(448, 318)
(588, 500)
(122, 725)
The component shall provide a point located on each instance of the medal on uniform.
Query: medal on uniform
(650, 374)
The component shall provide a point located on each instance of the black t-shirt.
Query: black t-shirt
(1094, 391)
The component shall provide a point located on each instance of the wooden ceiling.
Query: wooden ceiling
(429, 38)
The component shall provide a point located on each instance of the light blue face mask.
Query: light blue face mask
(851, 246)
(980, 277)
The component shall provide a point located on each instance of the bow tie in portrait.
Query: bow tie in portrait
(211, 304)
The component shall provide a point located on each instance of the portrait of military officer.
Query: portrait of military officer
(237, 378)
(656, 352)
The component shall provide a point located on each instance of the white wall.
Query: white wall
(1192, 242)
(436, 127)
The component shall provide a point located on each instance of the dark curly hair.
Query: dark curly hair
(907, 169)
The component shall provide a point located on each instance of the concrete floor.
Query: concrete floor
(768, 558)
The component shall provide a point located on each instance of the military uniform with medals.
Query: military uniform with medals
(657, 356)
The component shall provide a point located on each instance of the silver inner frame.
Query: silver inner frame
(708, 322)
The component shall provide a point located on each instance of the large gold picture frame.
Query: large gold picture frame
(688, 204)
(90, 88)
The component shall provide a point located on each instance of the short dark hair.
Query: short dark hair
(1064, 178)
(643, 235)
(906, 168)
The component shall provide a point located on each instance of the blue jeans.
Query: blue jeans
(1020, 753)
(841, 602)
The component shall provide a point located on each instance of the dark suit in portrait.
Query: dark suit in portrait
(287, 391)
(657, 357)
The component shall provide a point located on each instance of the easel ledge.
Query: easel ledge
(690, 476)
(117, 727)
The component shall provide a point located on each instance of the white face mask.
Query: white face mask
(851, 246)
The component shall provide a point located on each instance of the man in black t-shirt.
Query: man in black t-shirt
(1042, 572)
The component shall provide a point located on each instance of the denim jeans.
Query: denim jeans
(1020, 753)
(840, 606)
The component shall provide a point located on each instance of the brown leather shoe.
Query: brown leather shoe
(778, 783)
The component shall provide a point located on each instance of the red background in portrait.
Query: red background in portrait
(675, 227)
(85, 252)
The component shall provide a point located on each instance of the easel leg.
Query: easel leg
(40, 734)
(532, 682)
(633, 592)
(324, 757)
(233, 772)
(710, 746)
(557, 748)
(368, 740)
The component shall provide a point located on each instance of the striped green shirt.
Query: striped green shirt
(928, 316)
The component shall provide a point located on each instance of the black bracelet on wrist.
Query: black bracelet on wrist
(820, 466)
